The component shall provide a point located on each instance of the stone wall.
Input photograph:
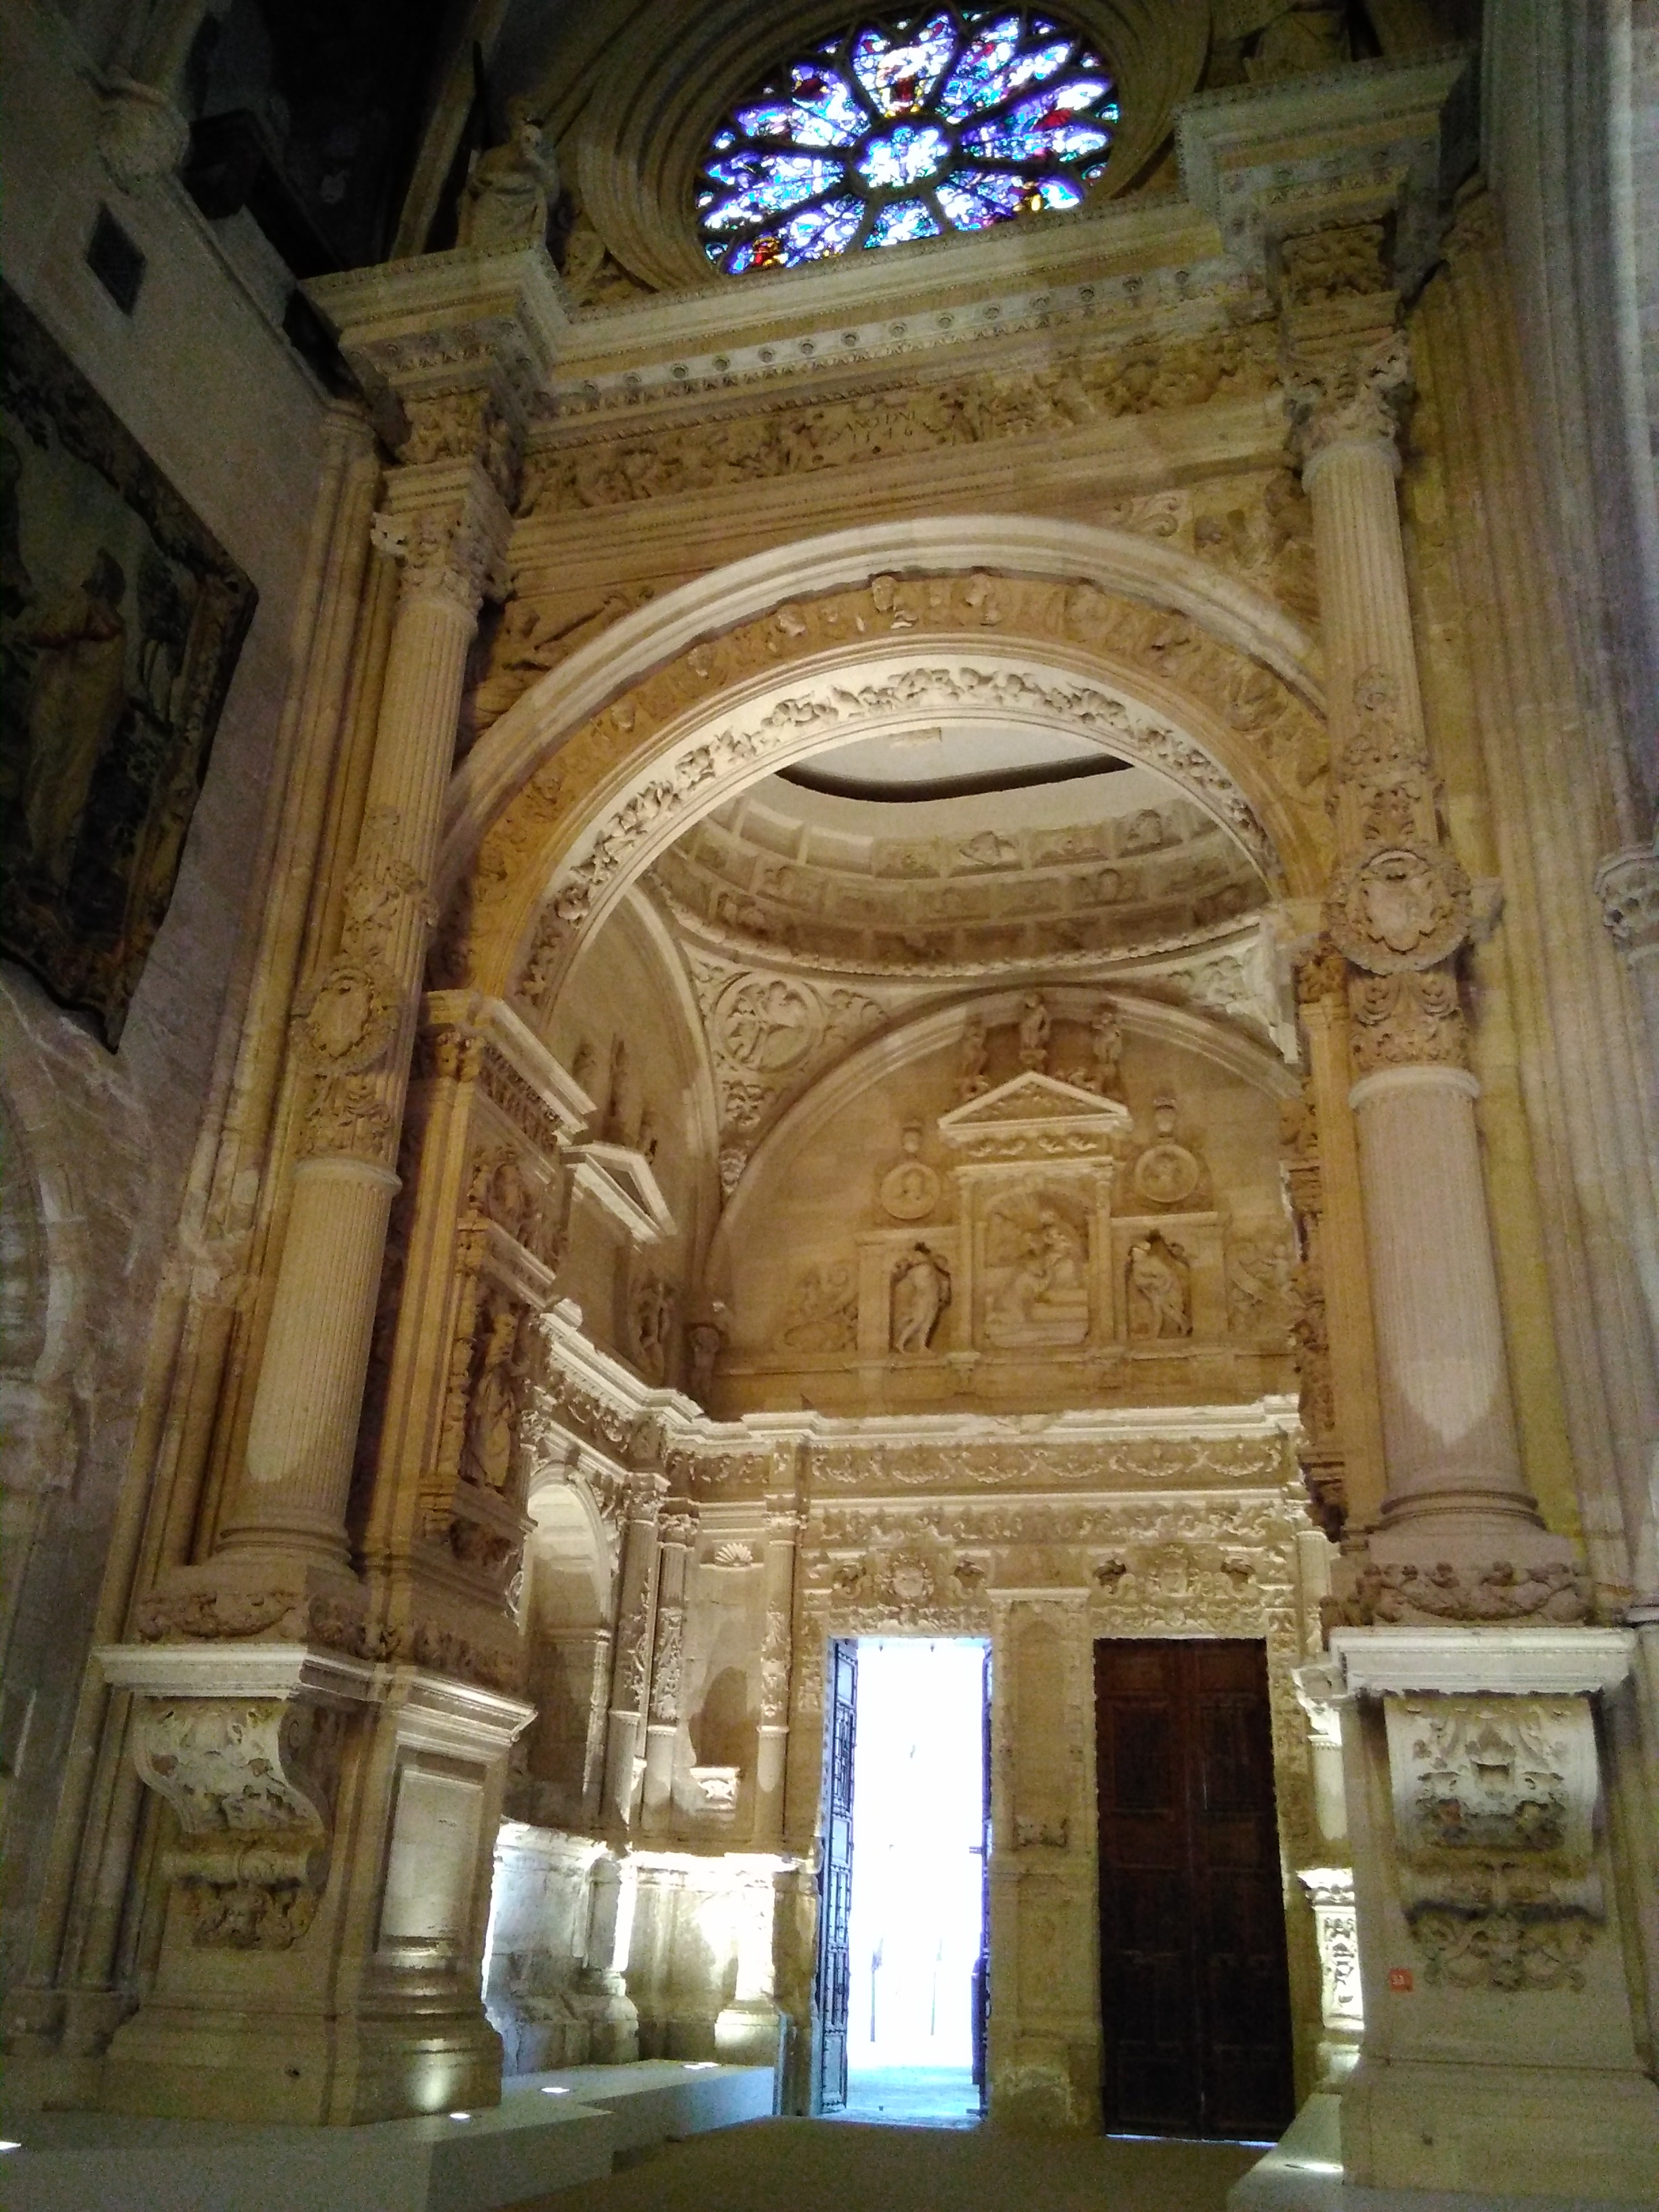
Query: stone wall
(98, 1145)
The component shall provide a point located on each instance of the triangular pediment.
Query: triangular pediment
(1032, 1101)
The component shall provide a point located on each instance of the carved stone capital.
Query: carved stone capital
(1411, 1019)
(450, 557)
(1627, 884)
(1355, 399)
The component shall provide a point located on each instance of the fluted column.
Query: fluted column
(676, 1533)
(447, 525)
(1459, 1535)
(631, 1667)
(777, 1644)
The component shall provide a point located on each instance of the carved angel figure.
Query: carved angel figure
(972, 1081)
(510, 188)
(1106, 1053)
(921, 1292)
(1033, 1032)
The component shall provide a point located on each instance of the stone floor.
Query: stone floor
(822, 2165)
(912, 2096)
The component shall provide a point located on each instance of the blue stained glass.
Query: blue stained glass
(974, 197)
(899, 221)
(905, 156)
(829, 229)
(768, 187)
(899, 73)
(821, 91)
(919, 107)
(972, 88)
(1046, 127)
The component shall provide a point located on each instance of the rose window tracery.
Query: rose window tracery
(906, 129)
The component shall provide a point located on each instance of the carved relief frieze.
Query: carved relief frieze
(983, 406)
(822, 1313)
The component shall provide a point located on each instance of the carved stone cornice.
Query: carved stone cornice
(451, 349)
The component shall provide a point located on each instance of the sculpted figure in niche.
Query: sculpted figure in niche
(703, 1340)
(1044, 1297)
(653, 1327)
(1033, 1033)
(510, 189)
(921, 1292)
(493, 1409)
(972, 1081)
(1160, 1302)
(1142, 832)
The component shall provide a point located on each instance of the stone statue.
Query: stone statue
(493, 1412)
(1159, 1302)
(510, 189)
(1033, 1033)
(613, 1129)
(1106, 1053)
(921, 1292)
(654, 1324)
(703, 1340)
(972, 1081)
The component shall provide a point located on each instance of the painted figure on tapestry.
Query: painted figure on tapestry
(120, 620)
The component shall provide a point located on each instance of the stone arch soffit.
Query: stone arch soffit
(640, 916)
(601, 761)
(570, 1534)
(1222, 1043)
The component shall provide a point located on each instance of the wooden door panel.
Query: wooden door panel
(1194, 1993)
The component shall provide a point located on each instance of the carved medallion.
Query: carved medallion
(766, 1022)
(350, 1019)
(1396, 907)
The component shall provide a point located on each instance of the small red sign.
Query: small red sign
(1400, 1979)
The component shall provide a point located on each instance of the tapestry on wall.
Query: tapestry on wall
(121, 616)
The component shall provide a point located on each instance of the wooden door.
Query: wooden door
(834, 1977)
(1195, 1994)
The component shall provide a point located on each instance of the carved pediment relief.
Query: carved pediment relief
(1035, 1115)
(621, 1181)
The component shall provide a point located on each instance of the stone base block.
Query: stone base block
(299, 2069)
(1303, 2172)
(551, 2131)
(1579, 2133)
(749, 2034)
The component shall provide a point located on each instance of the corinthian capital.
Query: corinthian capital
(1353, 400)
(453, 556)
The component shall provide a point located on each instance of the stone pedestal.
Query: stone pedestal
(329, 1869)
(1498, 2055)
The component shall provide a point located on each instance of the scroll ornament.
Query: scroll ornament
(251, 1785)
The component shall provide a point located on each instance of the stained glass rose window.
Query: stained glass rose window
(905, 130)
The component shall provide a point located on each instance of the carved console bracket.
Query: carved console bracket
(244, 1747)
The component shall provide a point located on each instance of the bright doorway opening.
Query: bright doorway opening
(915, 1923)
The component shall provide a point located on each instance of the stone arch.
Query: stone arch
(568, 1570)
(679, 705)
